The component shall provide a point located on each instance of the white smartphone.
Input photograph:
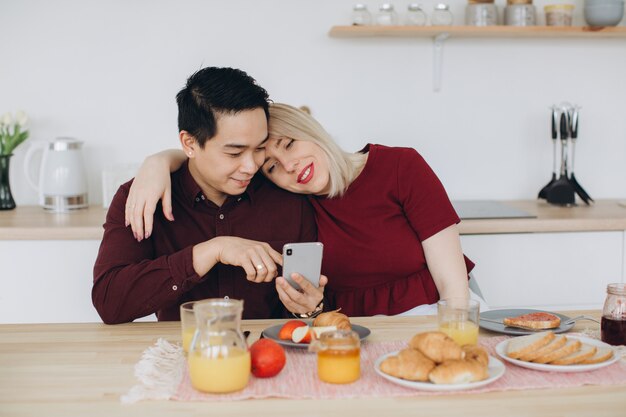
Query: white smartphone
(305, 259)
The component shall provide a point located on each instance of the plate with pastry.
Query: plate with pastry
(434, 362)
(522, 321)
(299, 333)
(547, 351)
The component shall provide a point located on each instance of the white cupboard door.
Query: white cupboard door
(546, 270)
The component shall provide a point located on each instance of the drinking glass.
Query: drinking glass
(187, 324)
(459, 318)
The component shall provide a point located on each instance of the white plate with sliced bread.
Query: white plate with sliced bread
(495, 369)
(547, 351)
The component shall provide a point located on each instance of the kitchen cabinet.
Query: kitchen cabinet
(562, 258)
(551, 271)
(48, 281)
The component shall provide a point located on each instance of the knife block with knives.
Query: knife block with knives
(562, 191)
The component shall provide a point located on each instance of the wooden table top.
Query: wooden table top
(83, 369)
(35, 223)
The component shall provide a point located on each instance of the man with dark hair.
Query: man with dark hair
(230, 222)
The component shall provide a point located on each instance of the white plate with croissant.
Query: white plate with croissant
(495, 370)
(434, 362)
(547, 351)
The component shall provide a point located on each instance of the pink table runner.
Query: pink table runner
(298, 379)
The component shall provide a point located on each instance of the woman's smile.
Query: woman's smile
(306, 174)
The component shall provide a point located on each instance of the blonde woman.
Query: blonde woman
(391, 244)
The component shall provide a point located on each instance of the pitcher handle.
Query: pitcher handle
(34, 148)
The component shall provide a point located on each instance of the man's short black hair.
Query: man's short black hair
(216, 90)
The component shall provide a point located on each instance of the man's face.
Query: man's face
(230, 159)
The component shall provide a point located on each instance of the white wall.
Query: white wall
(107, 72)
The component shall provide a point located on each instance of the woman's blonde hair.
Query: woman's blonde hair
(290, 122)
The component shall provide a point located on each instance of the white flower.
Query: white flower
(6, 119)
(21, 118)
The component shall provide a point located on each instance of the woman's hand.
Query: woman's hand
(300, 302)
(152, 183)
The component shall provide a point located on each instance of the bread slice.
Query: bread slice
(602, 354)
(556, 343)
(570, 347)
(523, 345)
(534, 321)
(585, 351)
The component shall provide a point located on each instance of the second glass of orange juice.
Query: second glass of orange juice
(458, 318)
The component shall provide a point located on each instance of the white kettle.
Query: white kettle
(62, 184)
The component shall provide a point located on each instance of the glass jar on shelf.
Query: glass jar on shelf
(442, 16)
(520, 14)
(481, 14)
(415, 16)
(360, 15)
(386, 15)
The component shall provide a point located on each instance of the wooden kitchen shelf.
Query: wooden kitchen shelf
(477, 31)
(35, 223)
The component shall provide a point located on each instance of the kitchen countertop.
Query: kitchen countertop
(83, 369)
(34, 223)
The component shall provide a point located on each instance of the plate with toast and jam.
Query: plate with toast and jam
(522, 321)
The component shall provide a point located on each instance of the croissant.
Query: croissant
(333, 318)
(437, 346)
(477, 353)
(459, 371)
(408, 364)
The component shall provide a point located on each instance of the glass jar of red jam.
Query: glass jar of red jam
(613, 326)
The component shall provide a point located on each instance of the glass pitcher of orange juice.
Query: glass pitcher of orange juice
(338, 356)
(218, 358)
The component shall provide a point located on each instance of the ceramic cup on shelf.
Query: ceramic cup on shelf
(599, 13)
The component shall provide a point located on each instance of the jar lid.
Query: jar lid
(360, 6)
(441, 6)
(387, 7)
(617, 288)
(519, 1)
(558, 7)
(415, 7)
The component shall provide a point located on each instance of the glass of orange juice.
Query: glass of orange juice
(458, 318)
(338, 356)
(187, 323)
